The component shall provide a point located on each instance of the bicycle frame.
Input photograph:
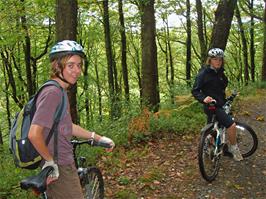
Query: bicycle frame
(219, 139)
(220, 130)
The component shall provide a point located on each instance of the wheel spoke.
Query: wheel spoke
(93, 187)
(246, 139)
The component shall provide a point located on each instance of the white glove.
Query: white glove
(106, 142)
(55, 173)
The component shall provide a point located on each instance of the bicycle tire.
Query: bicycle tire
(93, 184)
(247, 139)
(209, 165)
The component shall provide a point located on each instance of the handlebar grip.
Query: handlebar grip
(104, 145)
(231, 97)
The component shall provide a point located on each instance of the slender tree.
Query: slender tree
(200, 29)
(1, 137)
(263, 72)
(112, 73)
(188, 44)
(252, 48)
(27, 53)
(244, 46)
(169, 70)
(123, 49)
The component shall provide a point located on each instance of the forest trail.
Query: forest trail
(167, 167)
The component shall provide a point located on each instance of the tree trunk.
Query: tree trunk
(123, 49)
(66, 28)
(252, 48)
(99, 91)
(263, 72)
(188, 44)
(169, 68)
(244, 46)
(202, 40)
(171, 65)
(223, 18)
(114, 110)
(150, 83)
(8, 114)
(27, 54)
(136, 58)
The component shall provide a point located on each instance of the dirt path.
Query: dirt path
(167, 167)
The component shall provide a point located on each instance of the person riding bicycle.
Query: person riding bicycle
(209, 85)
(67, 58)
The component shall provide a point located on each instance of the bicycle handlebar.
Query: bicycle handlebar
(232, 96)
(91, 142)
(228, 99)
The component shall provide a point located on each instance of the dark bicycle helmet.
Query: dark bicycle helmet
(216, 52)
(66, 47)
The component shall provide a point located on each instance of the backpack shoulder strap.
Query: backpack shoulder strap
(60, 111)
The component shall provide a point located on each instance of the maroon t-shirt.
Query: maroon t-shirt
(47, 102)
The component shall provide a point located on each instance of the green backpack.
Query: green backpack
(24, 153)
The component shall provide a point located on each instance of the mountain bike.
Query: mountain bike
(91, 178)
(212, 144)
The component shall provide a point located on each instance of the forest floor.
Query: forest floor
(167, 167)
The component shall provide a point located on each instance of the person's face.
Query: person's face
(216, 62)
(72, 69)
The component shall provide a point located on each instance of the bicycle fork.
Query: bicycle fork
(220, 140)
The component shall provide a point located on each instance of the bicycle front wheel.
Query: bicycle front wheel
(208, 162)
(93, 185)
(246, 139)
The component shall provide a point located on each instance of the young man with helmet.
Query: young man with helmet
(210, 84)
(67, 58)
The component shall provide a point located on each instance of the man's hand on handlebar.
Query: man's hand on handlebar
(105, 142)
(208, 100)
(55, 174)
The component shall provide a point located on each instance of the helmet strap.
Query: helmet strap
(63, 79)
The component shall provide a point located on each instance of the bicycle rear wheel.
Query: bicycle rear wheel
(92, 184)
(246, 139)
(209, 163)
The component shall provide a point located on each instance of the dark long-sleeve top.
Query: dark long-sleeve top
(210, 82)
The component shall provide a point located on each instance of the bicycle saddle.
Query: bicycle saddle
(37, 182)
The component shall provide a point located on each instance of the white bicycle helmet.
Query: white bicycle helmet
(66, 47)
(216, 52)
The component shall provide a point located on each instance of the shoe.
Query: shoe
(235, 151)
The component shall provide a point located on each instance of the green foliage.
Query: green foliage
(185, 120)
(10, 176)
(126, 194)
(123, 180)
(151, 175)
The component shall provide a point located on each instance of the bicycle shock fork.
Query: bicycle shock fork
(220, 139)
